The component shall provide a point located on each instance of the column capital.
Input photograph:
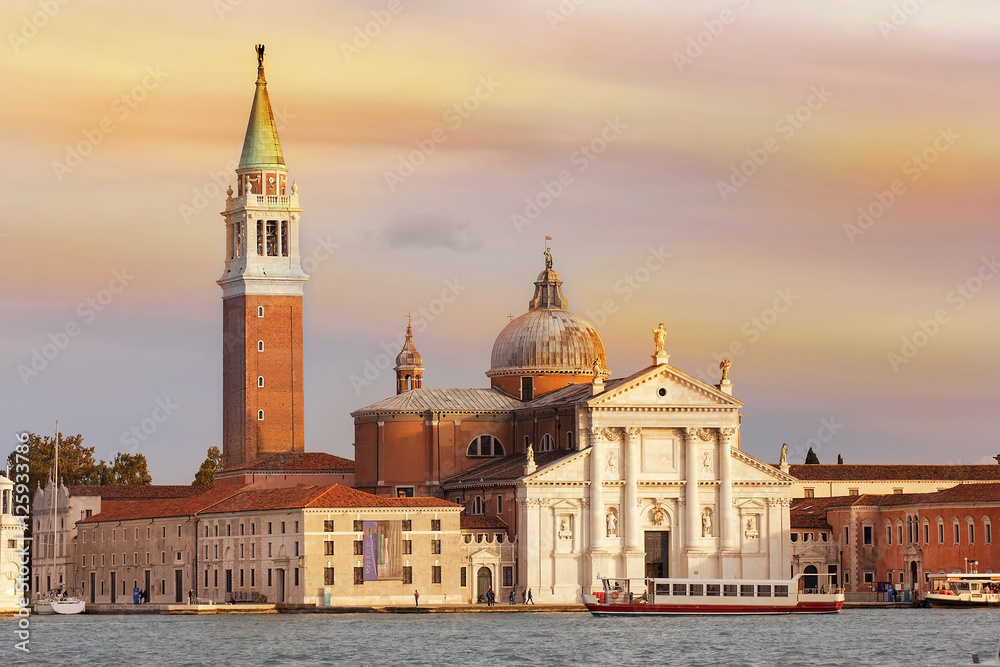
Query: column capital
(633, 432)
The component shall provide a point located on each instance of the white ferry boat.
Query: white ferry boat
(651, 597)
(964, 590)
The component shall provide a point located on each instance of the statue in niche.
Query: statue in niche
(706, 462)
(612, 523)
(751, 531)
(658, 516)
(706, 522)
(612, 467)
(660, 338)
(724, 367)
(564, 530)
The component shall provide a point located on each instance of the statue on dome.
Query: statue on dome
(548, 258)
(260, 55)
(724, 367)
(659, 337)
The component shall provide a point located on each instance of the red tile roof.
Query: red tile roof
(481, 521)
(804, 510)
(299, 462)
(135, 491)
(504, 469)
(223, 498)
(811, 512)
(830, 472)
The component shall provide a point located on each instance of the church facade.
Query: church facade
(593, 476)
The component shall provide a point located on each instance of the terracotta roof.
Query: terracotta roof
(158, 508)
(504, 469)
(220, 499)
(811, 512)
(450, 400)
(831, 472)
(321, 495)
(296, 461)
(577, 393)
(481, 521)
(135, 491)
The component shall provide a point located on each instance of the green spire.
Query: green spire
(260, 145)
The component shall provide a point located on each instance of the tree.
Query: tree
(76, 462)
(811, 456)
(129, 469)
(840, 459)
(212, 464)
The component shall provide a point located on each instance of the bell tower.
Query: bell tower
(409, 365)
(262, 298)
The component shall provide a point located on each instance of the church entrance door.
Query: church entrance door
(484, 582)
(657, 553)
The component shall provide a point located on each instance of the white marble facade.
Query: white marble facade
(659, 453)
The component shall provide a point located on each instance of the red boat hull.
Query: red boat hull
(698, 609)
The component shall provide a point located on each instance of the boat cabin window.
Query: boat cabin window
(781, 591)
(712, 590)
(729, 590)
(697, 589)
(746, 590)
(763, 590)
(680, 589)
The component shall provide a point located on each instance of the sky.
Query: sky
(808, 189)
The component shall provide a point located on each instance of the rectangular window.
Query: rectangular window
(359, 526)
(899, 533)
(163, 557)
(435, 574)
(508, 576)
(178, 531)
(832, 571)
(809, 493)
(206, 578)
(499, 504)
(897, 491)
(927, 533)
(241, 578)
(763, 590)
(957, 533)
(435, 546)
(268, 527)
(888, 534)
(296, 547)
(847, 535)
(988, 532)
(328, 548)
(697, 589)
(780, 591)
(463, 577)
(852, 492)
(867, 535)
(407, 524)
(215, 578)
(328, 576)
(296, 577)
(712, 590)
(407, 574)
(972, 533)
(940, 533)
(241, 529)
(296, 527)
(328, 526)
(268, 576)
(359, 548)
(359, 576)
(869, 577)
(407, 547)
(436, 524)
(729, 590)
(253, 578)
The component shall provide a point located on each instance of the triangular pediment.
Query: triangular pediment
(664, 386)
(572, 468)
(747, 468)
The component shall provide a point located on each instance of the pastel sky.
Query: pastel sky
(734, 145)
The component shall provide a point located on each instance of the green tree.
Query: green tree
(76, 462)
(212, 464)
(811, 456)
(129, 469)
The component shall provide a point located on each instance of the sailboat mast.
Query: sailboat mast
(55, 502)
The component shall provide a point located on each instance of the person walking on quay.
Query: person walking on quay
(416, 598)
(530, 601)
(524, 595)
(512, 597)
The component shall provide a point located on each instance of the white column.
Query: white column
(727, 514)
(692, 531)
(633, 535)
(597, 525)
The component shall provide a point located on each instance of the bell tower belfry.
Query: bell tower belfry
(262, 291)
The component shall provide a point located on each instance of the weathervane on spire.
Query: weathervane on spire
(260, 55)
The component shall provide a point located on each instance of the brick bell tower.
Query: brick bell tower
(262, 298)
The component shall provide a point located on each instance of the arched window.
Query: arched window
(888, 532)
(260, 380)
(260, 346)
(260, 311)
(485, 445)
(478, 505)
(956, 530)
(927, 531)
(546, 444)
(987, 530)
(260, 415)
(940, 530)
(972, 530)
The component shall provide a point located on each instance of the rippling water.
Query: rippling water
(855, 637)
